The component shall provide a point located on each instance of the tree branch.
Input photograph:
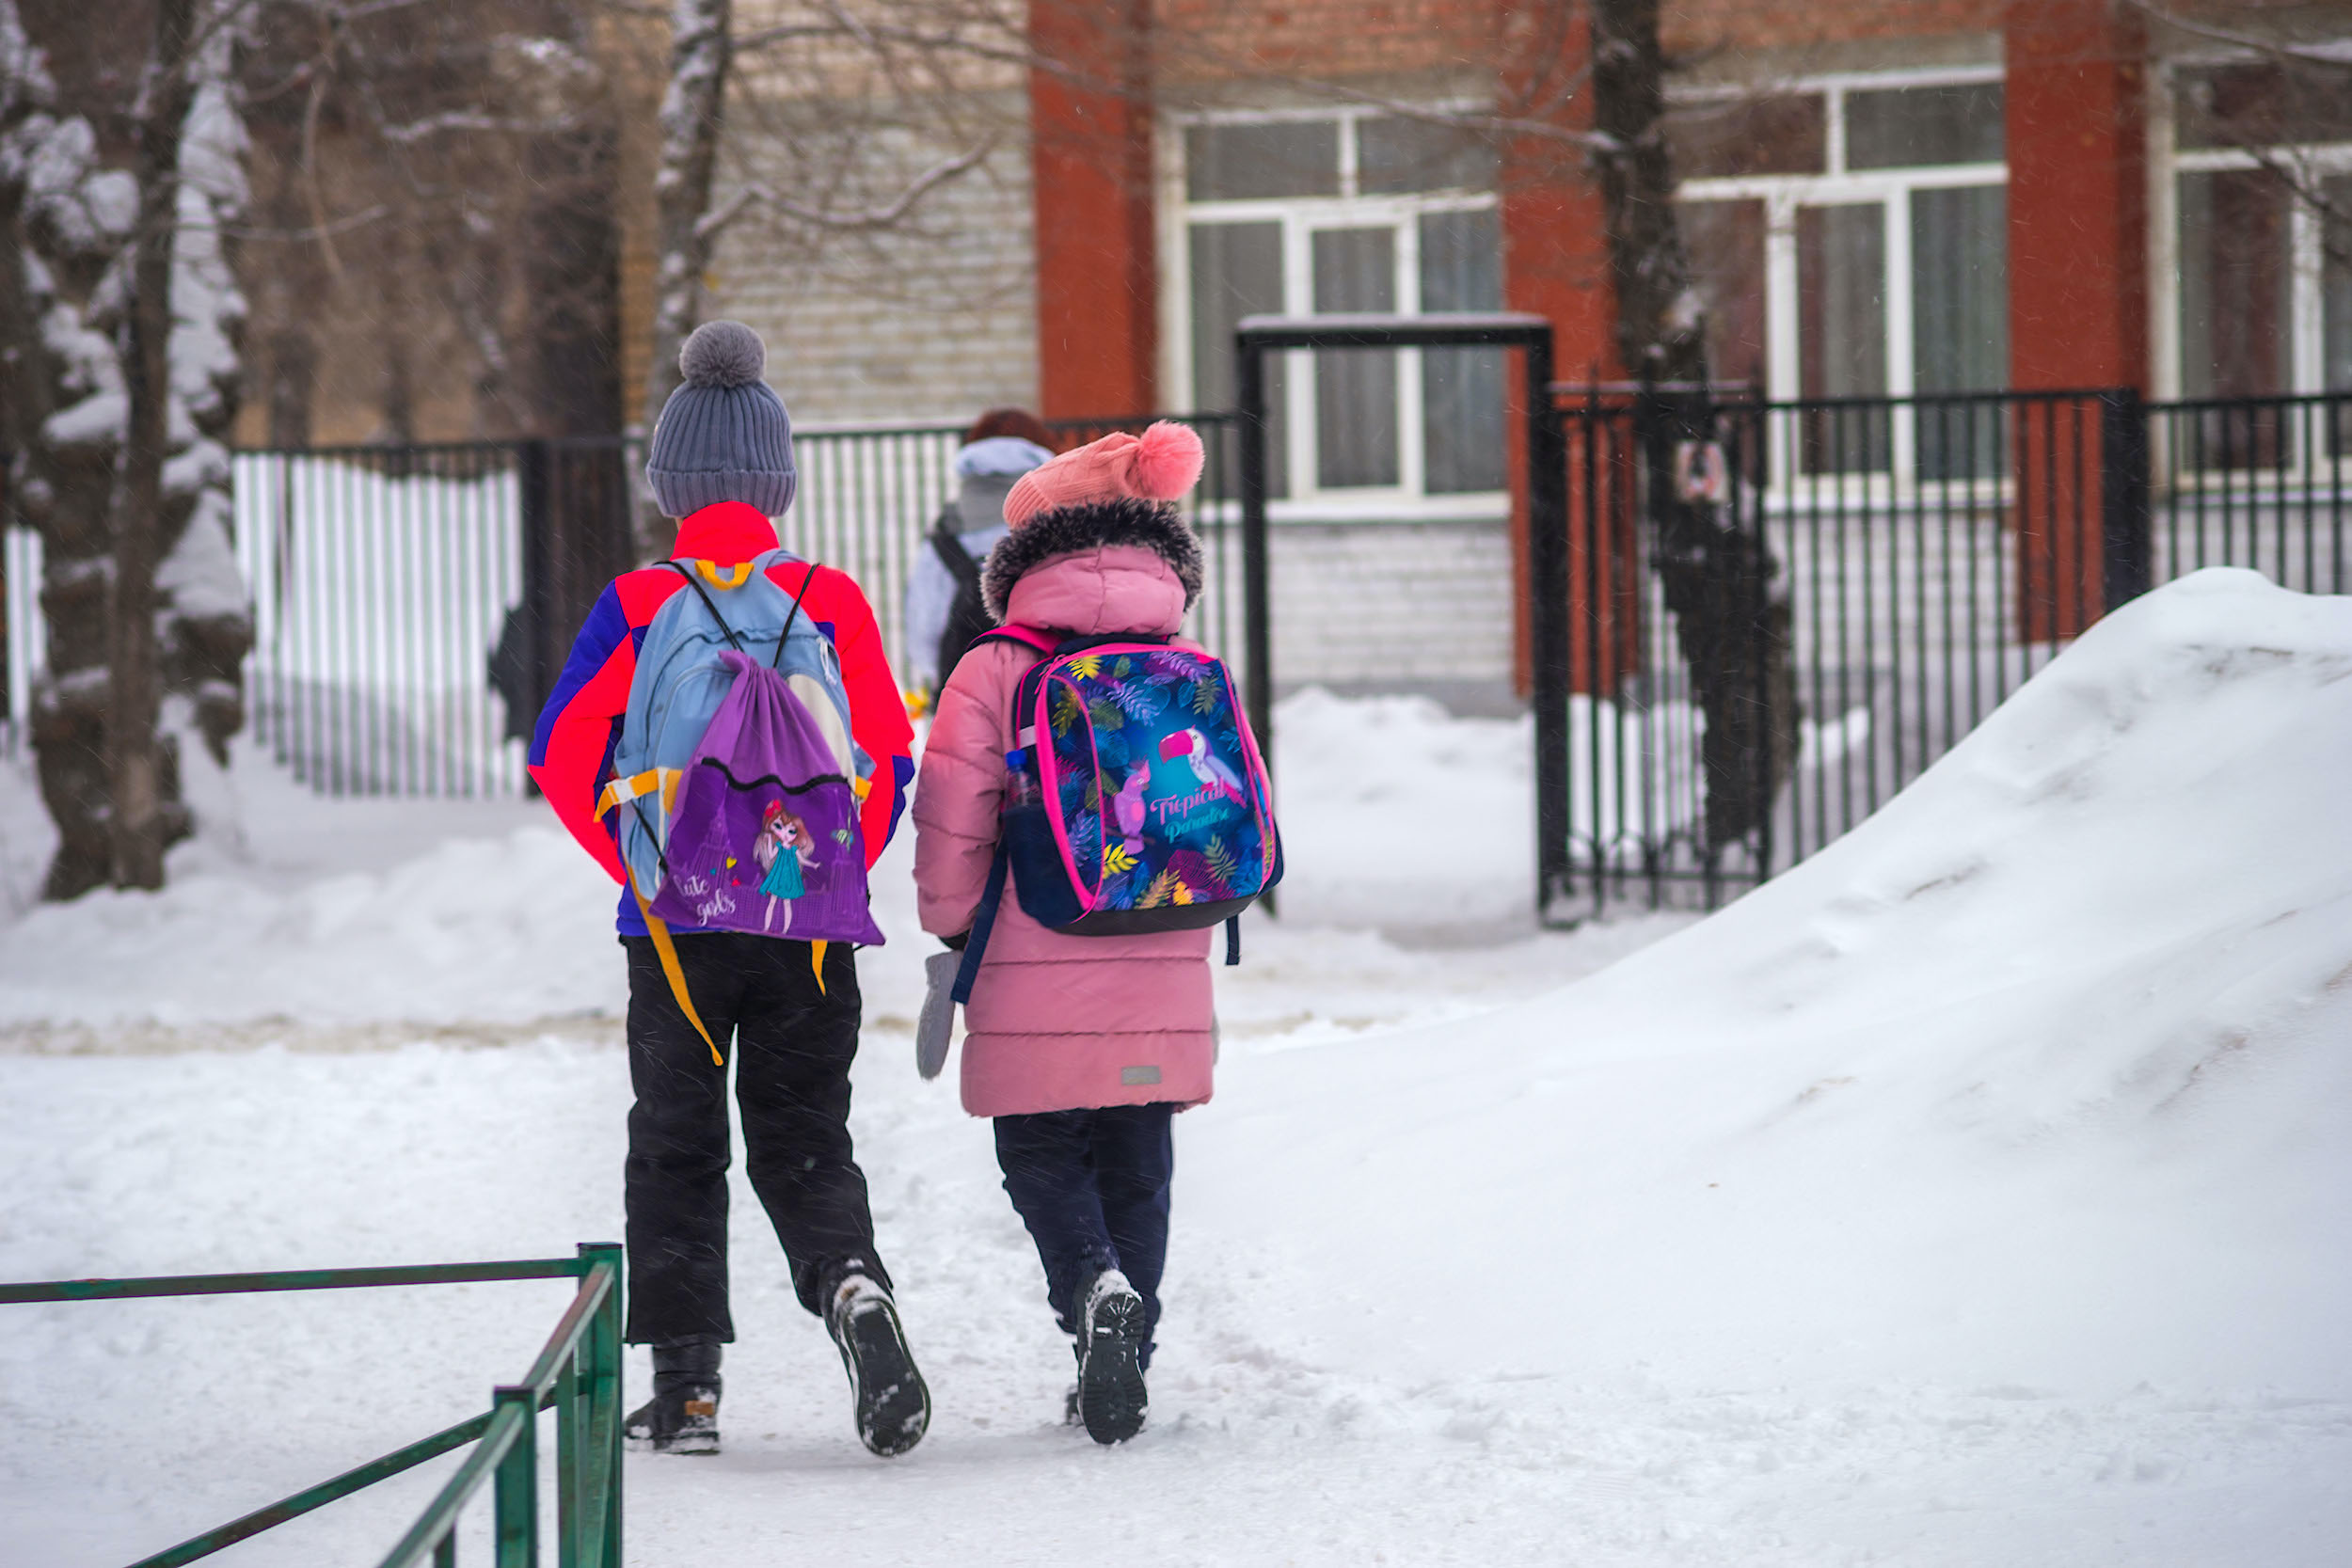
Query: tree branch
(2335, 53)
(467, 119)
(2281, 160)
(875, 37)
(759, 194)
(309, 234)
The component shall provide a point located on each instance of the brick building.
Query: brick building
(1884, 198)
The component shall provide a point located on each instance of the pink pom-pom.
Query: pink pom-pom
(1166, 461)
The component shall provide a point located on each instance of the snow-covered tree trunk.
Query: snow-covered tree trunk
(206, 619)
(701, 48)
(70, 250)
(69, 220)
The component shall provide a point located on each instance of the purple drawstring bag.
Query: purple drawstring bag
(763, 835)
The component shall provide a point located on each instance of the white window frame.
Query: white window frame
(2306, 256)
(1300, 218)
(1784, 194)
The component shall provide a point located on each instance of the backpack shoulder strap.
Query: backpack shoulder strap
(983, 922)
(984, 916)
(1027, 636)
(952, 555)
(794, 614)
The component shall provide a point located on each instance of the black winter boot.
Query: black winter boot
(683, 1414)
(1110, 1395)
(893, 1407)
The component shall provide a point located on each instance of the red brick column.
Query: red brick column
(1090, 158)
(1555, 264)
(2077, 279)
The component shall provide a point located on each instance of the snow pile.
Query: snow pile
(2035, 1078)
(488, 930)
(316, 913)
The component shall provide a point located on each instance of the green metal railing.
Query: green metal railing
(578, 1374)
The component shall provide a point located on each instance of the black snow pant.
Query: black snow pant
(1093, 1188)
(792, 1046)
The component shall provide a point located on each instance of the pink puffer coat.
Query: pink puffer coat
(1056, 1022)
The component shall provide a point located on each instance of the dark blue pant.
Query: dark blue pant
(1093, 1188)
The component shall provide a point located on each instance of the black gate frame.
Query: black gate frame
(1547, 521)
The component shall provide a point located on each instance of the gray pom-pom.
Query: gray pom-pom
(721, 353)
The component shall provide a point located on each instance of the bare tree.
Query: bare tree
(136, 791)
(1719, 580)
(692, 108)
(67, 221)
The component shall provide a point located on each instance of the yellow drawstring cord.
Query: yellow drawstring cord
(667, 951)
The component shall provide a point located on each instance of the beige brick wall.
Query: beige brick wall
(932, 320)
(1421, 605)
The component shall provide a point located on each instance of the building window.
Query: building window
(2261, 224)
(1850, 238)
(2236, 284)
(1347, 212)
(2265, 278)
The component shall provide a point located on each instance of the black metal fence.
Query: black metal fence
(1777, 614)
(2263, 483)
(1780, 614)
(414, 605)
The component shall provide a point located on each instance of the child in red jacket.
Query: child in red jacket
(721, 462)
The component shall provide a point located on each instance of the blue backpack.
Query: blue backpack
(1135, 800)
(737, 776)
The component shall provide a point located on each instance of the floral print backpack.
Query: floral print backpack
(1136, 800)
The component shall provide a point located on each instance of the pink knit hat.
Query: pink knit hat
(1159, 465)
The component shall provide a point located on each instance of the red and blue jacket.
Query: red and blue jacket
(571, 755)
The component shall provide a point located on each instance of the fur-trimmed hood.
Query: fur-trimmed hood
(1154, 525)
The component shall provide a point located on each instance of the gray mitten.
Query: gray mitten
(939, 1013)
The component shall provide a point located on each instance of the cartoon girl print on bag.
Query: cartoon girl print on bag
(782, 851)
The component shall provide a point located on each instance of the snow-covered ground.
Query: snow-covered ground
(1974, 1194)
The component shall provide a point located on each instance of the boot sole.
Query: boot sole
(894, 1408)
(1111, 1399)
(685, 1443)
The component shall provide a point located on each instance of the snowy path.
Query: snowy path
(1974, 1195)
(135, 1422)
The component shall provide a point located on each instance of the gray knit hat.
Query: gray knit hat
(725, 435)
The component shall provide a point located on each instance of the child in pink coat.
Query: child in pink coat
(1081, 1047)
